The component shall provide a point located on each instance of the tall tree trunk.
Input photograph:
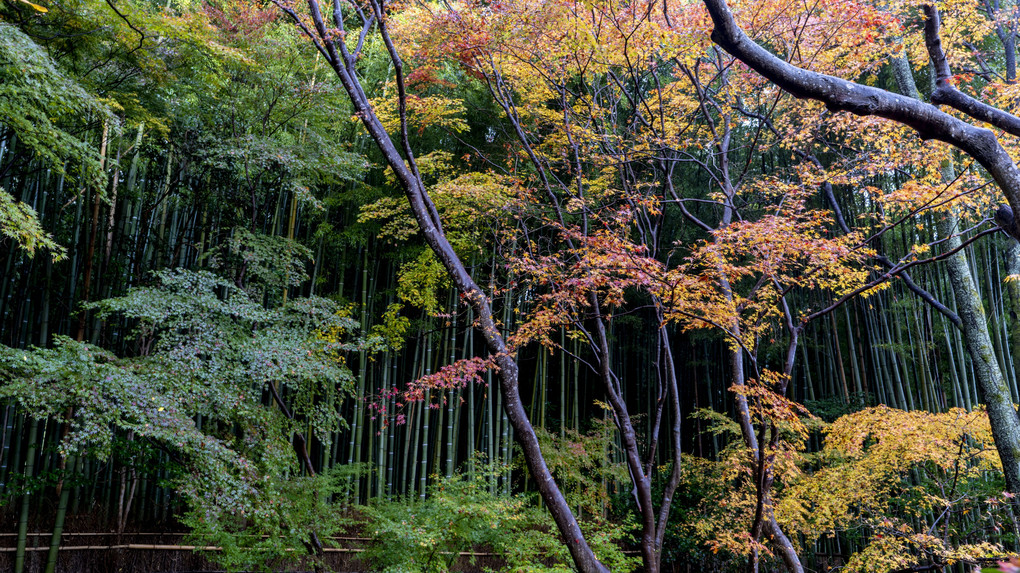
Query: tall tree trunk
(93, 229)
(405, 168)
(58, 524)
(994, 391)
(19, 555)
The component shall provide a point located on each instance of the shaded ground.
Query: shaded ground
(165, 553)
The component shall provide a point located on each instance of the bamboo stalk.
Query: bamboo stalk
(450, 394)
(19, 558)
(58, 524)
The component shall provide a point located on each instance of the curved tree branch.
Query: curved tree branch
(428, 222)
(842, 95)
(946, 93)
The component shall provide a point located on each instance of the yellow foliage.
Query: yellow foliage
(422, 112)
(866, 455)
(855, 482)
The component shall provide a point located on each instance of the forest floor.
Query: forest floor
(169, 552)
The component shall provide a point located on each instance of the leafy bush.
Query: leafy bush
(460, 513)
(274, 529)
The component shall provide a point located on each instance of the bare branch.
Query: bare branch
(947, 94)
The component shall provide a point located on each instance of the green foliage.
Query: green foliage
(263, 264)
(108, 395)
(420, 280)
(460, 514)
(393, 328)
(833, 407)
(273, 531)
(204, 330)
(207, 349)
(19, 222)
(288, 131)
(40, 104)
(583, 464)
(717, 423)
(471, 205)
(685, 540)
(303, 160)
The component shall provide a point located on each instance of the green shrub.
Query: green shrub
(461, 514)
(274, 527)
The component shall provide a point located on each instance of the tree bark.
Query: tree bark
(927, 120)
(343, 61)
(930, 123)
(994, 390)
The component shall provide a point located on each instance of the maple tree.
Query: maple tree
(342, 59)
(593, 268)
(861, 482)
(930, 123)
(591, 273)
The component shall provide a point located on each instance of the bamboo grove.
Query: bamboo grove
(570, 285)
